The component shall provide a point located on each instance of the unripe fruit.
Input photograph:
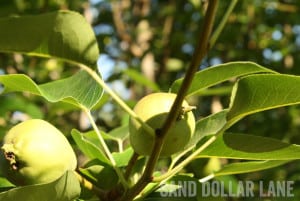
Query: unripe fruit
(153, 110)
(36, 152)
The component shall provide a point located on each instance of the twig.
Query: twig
(221, 26)
(106, 149)
(116, 98)
(130, 165)
(120, 26)
(166, 32)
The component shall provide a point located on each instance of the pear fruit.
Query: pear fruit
(35, 152)
(153, 110)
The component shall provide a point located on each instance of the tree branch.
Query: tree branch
(201, 51)
(120, 26)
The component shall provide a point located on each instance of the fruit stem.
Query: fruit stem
(201, 50)
(106, 149)
(115, 97)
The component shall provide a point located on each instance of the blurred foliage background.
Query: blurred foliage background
(146, 44)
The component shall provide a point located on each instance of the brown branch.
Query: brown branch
(201, 51)
(166, 32)
(118, 21)
(141, 8)
(130, 165)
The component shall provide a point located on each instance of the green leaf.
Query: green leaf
(256, 93)
(245, 167)
(62, 34)
(103, 175)
(218, 74)
(209, 125)
(120, 133)
(141, 79)
(4, 183)
(250, 147)
(16, 103)
(92, 137)
(117, 135)
(216, 91)
(88, 148)
(79, 89)
(225, 175)
(122, 159)
(66, 188)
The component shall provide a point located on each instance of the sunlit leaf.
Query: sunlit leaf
(62, 34)
(249, 166)
(218, 74)
(79, 89)
(120, 133)
(251, 147)
(4, 183)
(209, 125)
(122, 158)
(88, 148)
(256, 93)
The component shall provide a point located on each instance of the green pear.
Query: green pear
(153, 110)
(36, 152)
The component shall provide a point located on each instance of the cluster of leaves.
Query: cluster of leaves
(67, 36)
